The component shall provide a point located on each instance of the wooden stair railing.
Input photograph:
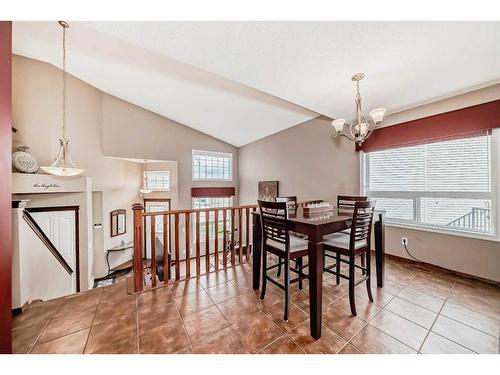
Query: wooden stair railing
(46, 241)
(202, 248)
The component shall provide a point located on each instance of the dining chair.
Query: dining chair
(276, 239)
(347, 202)
(291, 202)
(356, 244)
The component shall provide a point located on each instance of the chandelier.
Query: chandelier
(359, 128)
(63, 166)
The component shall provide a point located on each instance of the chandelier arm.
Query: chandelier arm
(347, 136)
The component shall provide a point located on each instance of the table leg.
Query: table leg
(380, 251)
(315, 258)
(256, 252)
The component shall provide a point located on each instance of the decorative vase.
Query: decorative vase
(23, 161)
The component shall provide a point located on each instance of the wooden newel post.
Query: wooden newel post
(138, 243)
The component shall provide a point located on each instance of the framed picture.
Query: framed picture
(268, 190)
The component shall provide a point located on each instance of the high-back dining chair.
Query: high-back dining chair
(347, 202)
(356, 244)
(277, 240)
(292, 206)
(291, 201)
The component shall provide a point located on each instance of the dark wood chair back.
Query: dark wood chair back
(347, 202)
(291, 201)
(362, 223)
(273, 221)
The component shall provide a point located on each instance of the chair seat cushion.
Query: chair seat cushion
(342, 241)
(296, 244)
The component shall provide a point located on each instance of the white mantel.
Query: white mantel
(26, 183)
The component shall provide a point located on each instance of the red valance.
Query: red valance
(212, 192)
(465, 122)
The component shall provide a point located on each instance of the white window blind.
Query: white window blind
(214, 166)
(445, 184)
(158, 180)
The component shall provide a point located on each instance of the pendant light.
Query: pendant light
(359, 128)
(63, 166)
(145, 189)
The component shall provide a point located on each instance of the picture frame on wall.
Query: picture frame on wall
(268, 190)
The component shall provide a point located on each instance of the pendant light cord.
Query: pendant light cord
(64, 84)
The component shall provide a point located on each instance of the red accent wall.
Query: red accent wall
(5, 186)
(477, 119)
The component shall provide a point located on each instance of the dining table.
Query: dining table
(315, 226)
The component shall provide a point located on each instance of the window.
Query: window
(212, 166)
(158, 180)
(445, 184)
(211, 202)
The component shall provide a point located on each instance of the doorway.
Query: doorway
(61, 226)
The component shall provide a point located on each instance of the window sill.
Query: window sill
(449, 232)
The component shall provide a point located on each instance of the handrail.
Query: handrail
(191, 210)
(46, 241)
(199, 240)
(472, 219)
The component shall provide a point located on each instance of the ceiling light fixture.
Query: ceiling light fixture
(63, 166)
(145, 188)
(359, 128)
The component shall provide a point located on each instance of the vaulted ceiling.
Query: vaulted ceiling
(241, 81)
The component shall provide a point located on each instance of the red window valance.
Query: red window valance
(465, 122)
(212, 192)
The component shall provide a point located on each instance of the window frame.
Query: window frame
(415, 224)
(145, 173)
(227, 155)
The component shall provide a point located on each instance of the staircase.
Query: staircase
(477, 220)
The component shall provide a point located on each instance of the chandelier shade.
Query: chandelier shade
(63, 166)
(359, 128)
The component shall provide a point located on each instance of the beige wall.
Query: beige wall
(306, 160)
(309, 163)
(102, 129)
(132, 132)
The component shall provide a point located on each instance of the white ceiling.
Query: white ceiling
(226, 78)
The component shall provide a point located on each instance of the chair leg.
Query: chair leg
(264, 274)
(368, 271)
(337, 268)
(287, 287)
(299, 264)
(363, 263)
(352, 283)
(279, 268)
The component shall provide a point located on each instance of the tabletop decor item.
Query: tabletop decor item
(23, 161)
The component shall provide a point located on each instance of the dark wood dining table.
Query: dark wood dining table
(315, 227)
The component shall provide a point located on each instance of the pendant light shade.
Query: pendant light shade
(145, 188)
(63, 166)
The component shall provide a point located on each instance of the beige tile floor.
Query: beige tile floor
(420, 310)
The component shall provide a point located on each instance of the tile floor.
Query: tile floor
(420, 310)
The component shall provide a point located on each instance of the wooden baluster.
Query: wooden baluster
(153, 250)
(224, 239)
(138, 265)
(247, 231)
(198, 256)
(232, 236)
(216, 239)
(240, 237)
(207, 242)
(166, 252)
(188, 247)
(177, 258)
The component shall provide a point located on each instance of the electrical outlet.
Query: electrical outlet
(404, 241)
